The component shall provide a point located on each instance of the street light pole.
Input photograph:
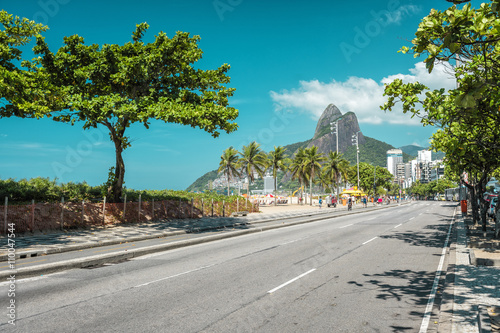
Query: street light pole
(355, 140)
(337, 135)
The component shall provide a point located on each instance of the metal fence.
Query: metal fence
(70, 215)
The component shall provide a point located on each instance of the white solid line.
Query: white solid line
(172, 276)
(398, 225)
(432, 296)
(368, 241)
(346, 226)
(292, 280)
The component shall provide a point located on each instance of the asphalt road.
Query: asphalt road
(369, 272)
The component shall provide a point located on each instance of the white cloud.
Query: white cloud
(397, 16)
(363, 96)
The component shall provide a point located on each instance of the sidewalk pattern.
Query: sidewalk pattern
(474, 287)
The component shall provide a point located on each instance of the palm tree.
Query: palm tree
(229, 165)
(325, 180)
(252, 160)
(277, 161)
(296, 168)
(312, 165)
(332, 168)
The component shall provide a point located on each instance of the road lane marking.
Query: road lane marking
(290, 242)
(398, 225)
(432, 296)
(346, 226)
(291, 281)
(368, 241)
(173, 276)
(411, 218)
(24, 263)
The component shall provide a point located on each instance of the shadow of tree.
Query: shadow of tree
(430, 236)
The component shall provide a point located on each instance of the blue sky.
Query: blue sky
(289, 60)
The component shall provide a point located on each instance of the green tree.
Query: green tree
(229, 165)
(368, 174)
(344, 169)
(278, 161)
(332, 168)
(20, 87)
(312, 166)
(253, 160)
(297, 169)
(118, 85)
(468, 116)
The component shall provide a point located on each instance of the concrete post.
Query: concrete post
(32, 215)
(192, 203)
(5, 214)
(104, 212)
(125, 207)
(62, 213)
(140, 198)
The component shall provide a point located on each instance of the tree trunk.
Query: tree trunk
(311, 191)
(274, 185)
(115, 190)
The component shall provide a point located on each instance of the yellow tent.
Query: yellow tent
(353, 192)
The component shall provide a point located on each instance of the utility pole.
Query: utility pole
(355, 139)
(336, 123)
(337, 134)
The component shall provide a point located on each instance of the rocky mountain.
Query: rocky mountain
(371, 150)
(323, 137)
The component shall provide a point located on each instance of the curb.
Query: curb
(129, 254)
(483, 319)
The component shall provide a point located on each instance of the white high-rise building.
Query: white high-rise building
(394, 156)
(424, 156)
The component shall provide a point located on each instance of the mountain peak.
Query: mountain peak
(331, 114)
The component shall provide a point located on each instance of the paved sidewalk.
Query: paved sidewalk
(475, 288)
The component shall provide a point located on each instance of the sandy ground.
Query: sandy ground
(288, 208)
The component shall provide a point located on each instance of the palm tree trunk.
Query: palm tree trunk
(275, 199)
(311, 191)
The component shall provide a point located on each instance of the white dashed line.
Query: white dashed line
(292, 280)
(368, 241)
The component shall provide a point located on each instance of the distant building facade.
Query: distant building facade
(394, 156)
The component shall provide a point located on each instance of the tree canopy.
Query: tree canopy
(21, 85)
(118, 85)
(468, 116)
